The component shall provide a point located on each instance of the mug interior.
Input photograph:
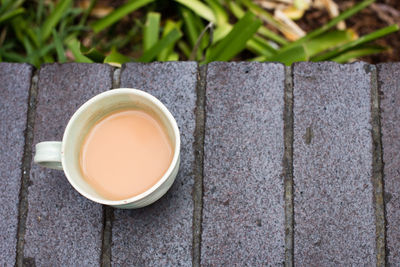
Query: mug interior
(94, 110)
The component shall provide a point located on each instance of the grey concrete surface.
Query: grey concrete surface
(15, 80)
(243, 211)
(332, 161)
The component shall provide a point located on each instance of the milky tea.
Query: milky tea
(125, 153)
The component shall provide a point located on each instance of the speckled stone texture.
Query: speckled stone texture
(15, 80)
(243, 208)
(389, 85)
(161, 234)
(333, 196)
(63, 228)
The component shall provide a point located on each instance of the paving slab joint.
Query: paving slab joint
(26, 168)
(198, 164)
(108, 217)
(108, 212)
(377, 169)
(288, 166)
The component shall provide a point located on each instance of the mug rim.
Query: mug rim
(106, 94)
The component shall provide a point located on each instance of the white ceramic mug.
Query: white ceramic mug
(65, 155)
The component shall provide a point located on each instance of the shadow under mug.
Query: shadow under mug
(65, 155)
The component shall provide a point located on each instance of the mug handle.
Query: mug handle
(48, 155)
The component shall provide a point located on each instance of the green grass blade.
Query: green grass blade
(199, 8)
(173, 57)
(344, 15)
(263, 14)
(238, 12)
(236, 40)
(151, 30)
(190, 26)
(260, 46)
(184, 47)
(93, 54)
(48, 59)
(13, 57)
(87, 12)
(221, 32)
(75, 48)
(5, 4)
(118, 14)
(53, 19)
(116, 59)
(169, 39)
(166, 51)
(362, 40)
(304, 51)
(11, 14)
(59, 47)
(327, 41)
(219, 12)
(358, 52)
(39, 12)
(271, 35)
(289, 56)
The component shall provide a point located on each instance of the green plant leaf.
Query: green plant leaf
(93, 54)
(11, 14)
(327, 41)
(344, 15)
(219, 12)
(75, 48)
(39, 12)
(59, 47)
(87, 12)
(173, 57)
(236, 39)
(362, 40)
(118, 14)
(167, 40)
(260, 46)
(238, 12)
(304, 51)
(116, 59)
(289, 56)
(190, 26)
(358, 52)
(151, 30)
(53, 19)
(184, 47)
(167, 50)
(199, 8)
(263, 14)
(13, 57)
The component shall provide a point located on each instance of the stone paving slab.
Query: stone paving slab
(389, 85)
(243, 210)
(63, 228)
(161, 234)
(15, 80)
(333, 194)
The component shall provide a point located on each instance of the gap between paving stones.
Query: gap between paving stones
(288, 166)
(198, 164)
(108, 212)
(377, 169)
(26, 167)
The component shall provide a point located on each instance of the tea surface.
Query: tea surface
(125, 154)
